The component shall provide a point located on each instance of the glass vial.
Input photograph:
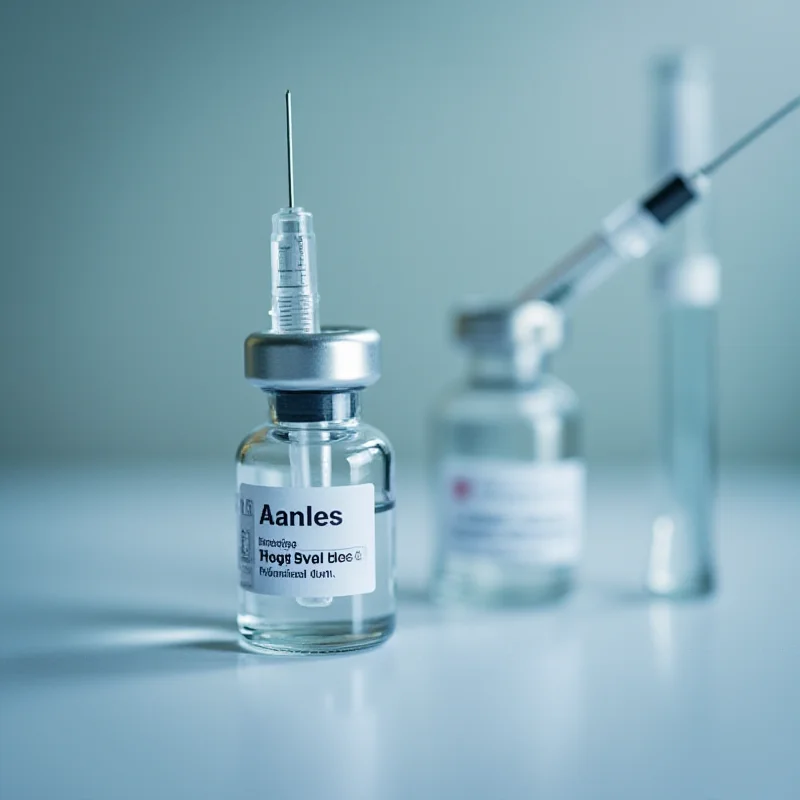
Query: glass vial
(509, 483)
(316, 505)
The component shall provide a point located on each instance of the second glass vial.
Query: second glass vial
(509, 483)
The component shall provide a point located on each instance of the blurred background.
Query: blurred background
(447, 149)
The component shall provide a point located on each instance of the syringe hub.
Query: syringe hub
(293, 220)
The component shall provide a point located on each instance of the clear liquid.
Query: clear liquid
(280, 625)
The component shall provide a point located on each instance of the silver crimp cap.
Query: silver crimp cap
(494, 327)
(334, 359)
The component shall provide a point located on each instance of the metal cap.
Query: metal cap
(334, 359)
(496, 328)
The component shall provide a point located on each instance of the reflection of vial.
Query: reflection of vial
(316, 499)
(509, 476)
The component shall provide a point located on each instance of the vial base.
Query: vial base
(681, 565)
(487, 582)
(685, 589)
(314, 638)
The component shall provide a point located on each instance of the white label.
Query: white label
(512, 510)
(307, 542)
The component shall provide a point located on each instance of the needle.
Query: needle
(289, 151)
(750, 136)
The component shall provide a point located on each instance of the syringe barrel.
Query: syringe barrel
(294, 272)
(629, 233)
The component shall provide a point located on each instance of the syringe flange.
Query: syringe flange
(335, 359)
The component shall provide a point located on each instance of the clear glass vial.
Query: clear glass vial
(320, 578)
(509, 483)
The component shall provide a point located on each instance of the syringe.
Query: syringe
(295, 310)
(294, 258)
(632, 230)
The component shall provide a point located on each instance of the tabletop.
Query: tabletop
(121, 676)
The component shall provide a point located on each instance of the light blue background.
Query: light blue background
(442, 146)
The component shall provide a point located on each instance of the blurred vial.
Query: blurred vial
(509, 483)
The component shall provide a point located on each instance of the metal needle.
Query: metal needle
(289, 152)
(710, 168)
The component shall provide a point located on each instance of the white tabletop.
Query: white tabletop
(121, 676)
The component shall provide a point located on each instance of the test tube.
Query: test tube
(681, 562)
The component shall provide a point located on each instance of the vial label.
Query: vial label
(506, 509)
(307, 542)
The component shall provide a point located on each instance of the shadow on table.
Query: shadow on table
(93, 643)
(90, 644)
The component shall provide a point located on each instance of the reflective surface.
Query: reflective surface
(120, 675)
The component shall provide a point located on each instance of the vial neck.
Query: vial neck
(312, 409)
(512, 368)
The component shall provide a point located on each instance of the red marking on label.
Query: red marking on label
(462, 489)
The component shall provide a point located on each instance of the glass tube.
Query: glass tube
(681, 560)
